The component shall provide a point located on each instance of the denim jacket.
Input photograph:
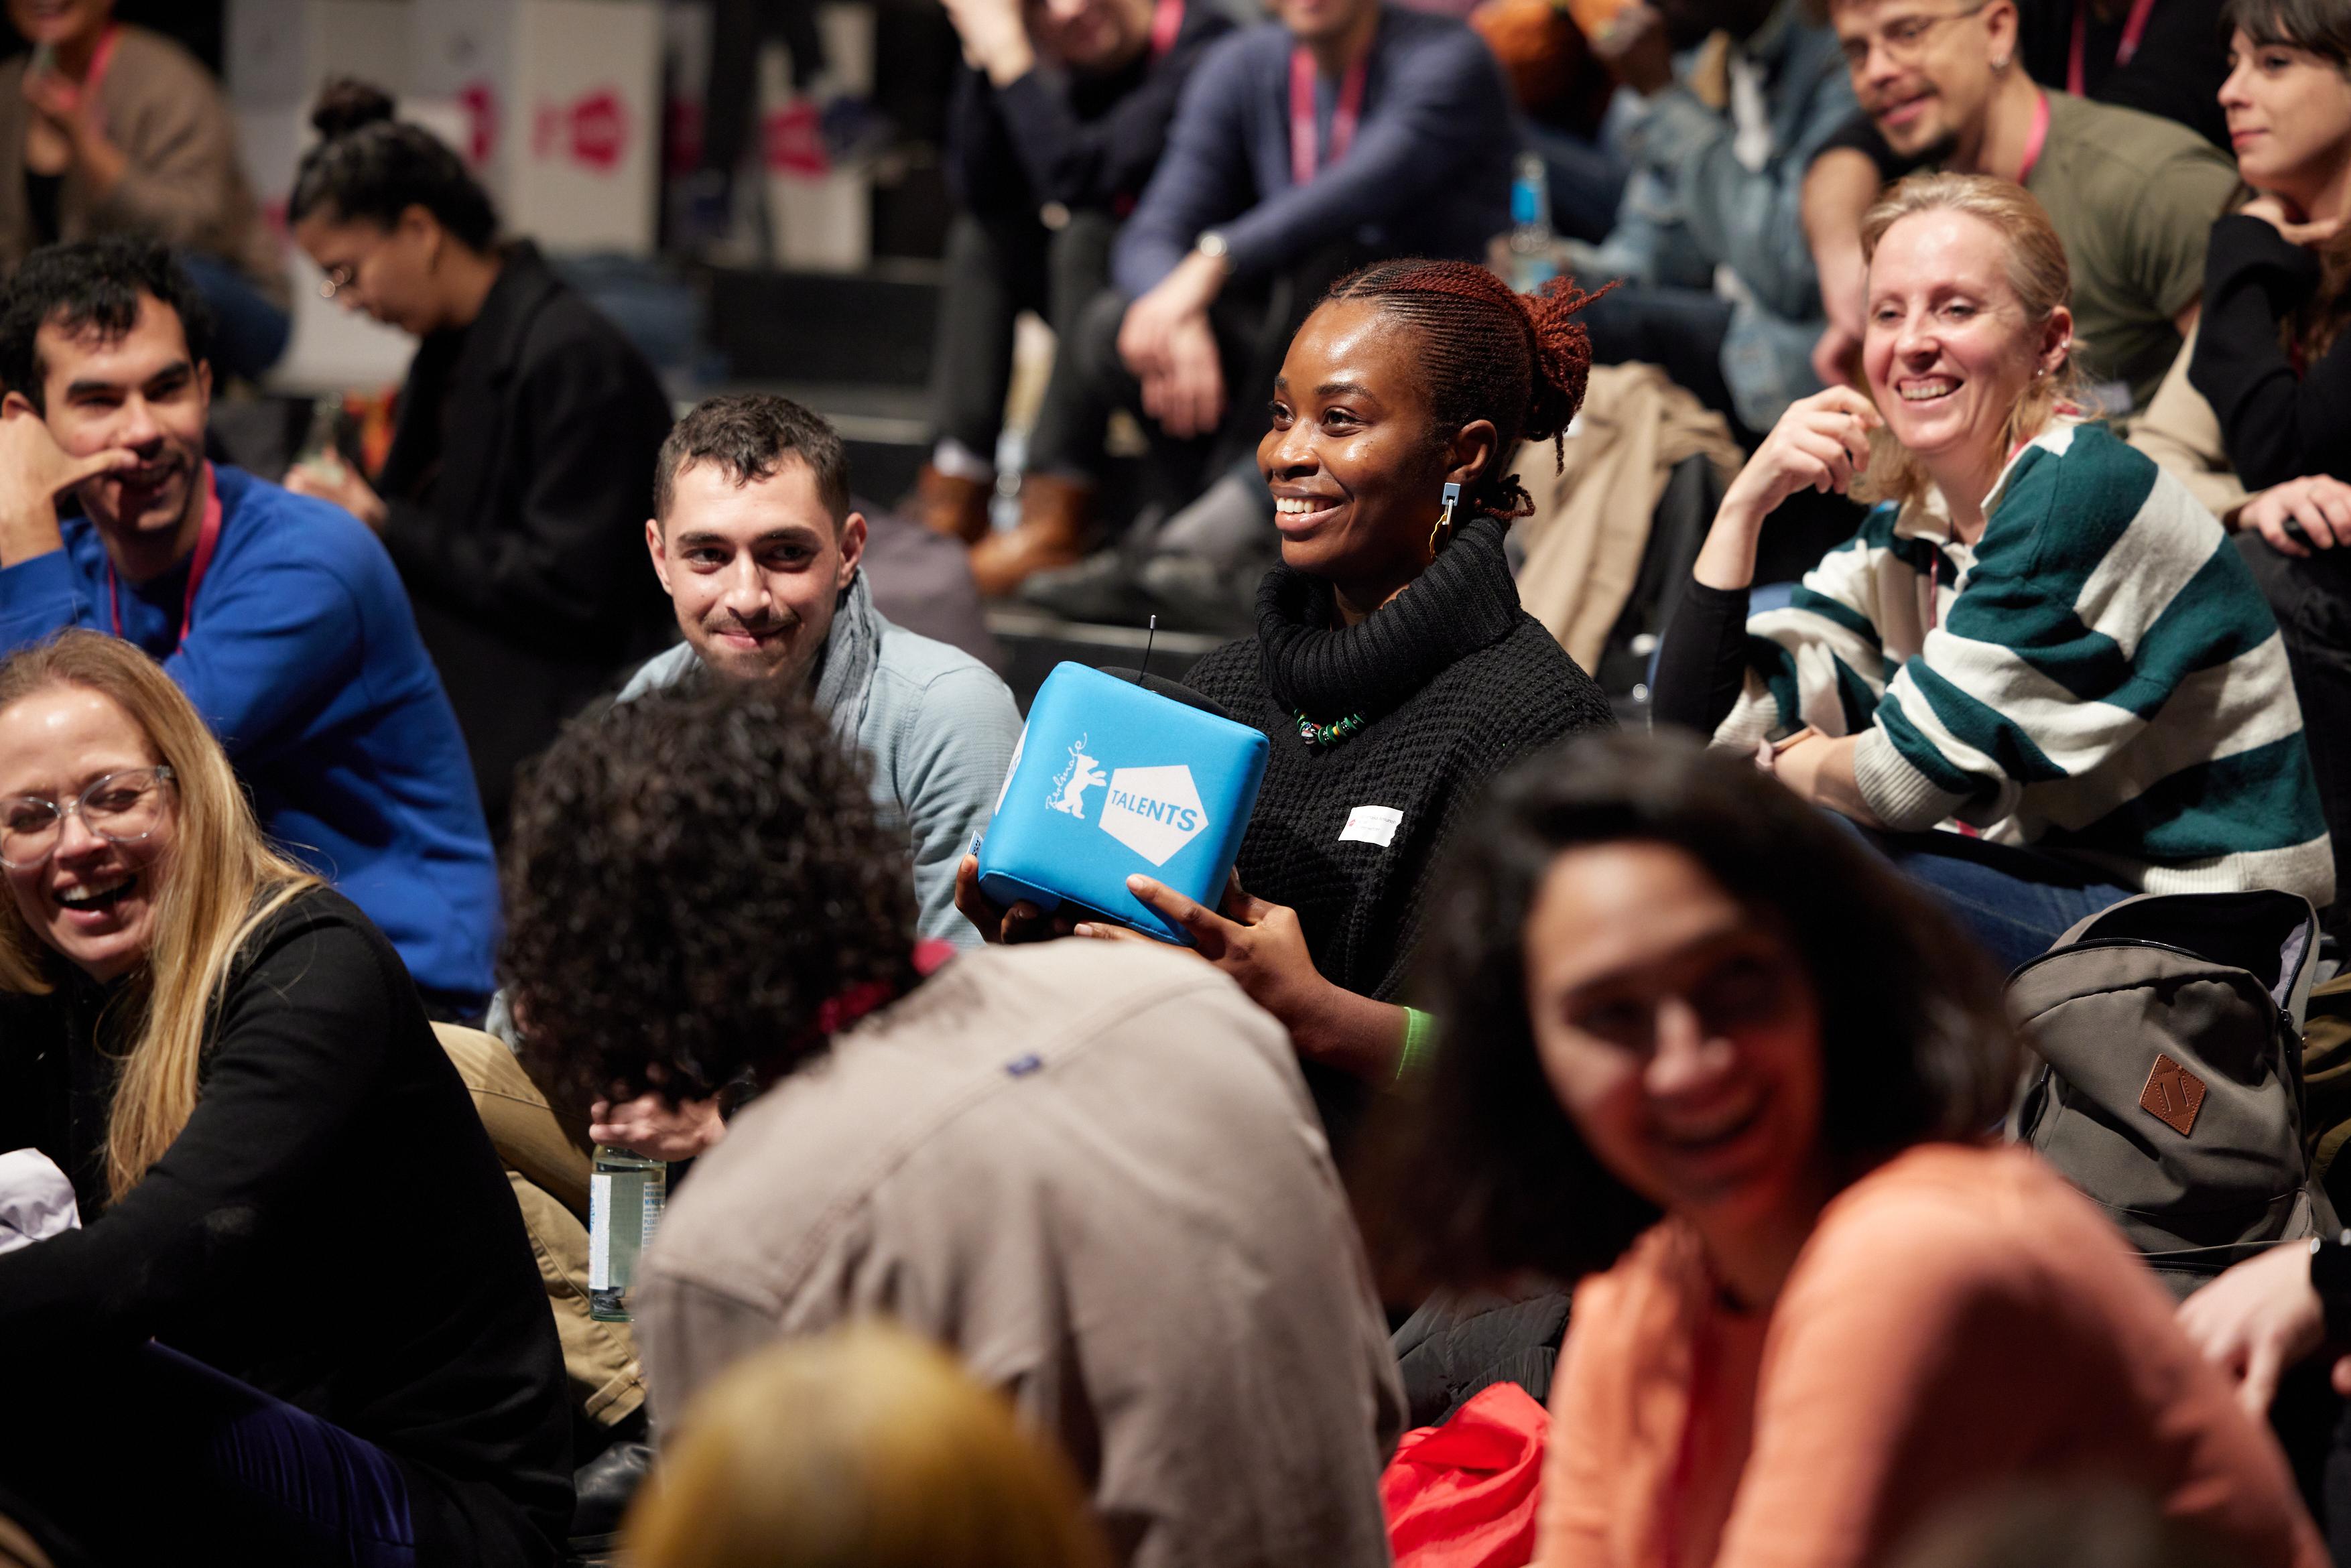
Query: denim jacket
(1691, 206)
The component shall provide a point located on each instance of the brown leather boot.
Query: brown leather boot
(1057, 529)
(950, 505)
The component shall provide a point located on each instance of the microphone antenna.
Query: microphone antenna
(1150, 634)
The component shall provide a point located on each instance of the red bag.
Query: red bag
(1463, 1495)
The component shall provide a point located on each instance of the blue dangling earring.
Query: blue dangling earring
(1445, 517)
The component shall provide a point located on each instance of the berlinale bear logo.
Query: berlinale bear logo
(1155, 812)
(1071, 784)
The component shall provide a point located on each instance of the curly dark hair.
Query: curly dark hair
(1481, 1174)
(92, 287)
(692, 876)
(370, 165)
(1519, 360)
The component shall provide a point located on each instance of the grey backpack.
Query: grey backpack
(2169, 1088)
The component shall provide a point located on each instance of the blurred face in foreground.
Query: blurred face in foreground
(755, 570)
(1680, 1032)
(1947, 347)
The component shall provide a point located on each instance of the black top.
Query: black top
(1702, 659)
(2277, 423)
(331, 1227)
(42, 194)
(519, 480)
(1456, 683)
(1082, 141)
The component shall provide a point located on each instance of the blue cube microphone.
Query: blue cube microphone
(1111, 778)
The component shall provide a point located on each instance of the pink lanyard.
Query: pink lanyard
(1166, 21)
(207, 541)
(2038, 138)
(2134, 30)
(1302, 162)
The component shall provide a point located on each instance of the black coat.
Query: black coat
(2279, 421)
(519, 481)
(330, 1226)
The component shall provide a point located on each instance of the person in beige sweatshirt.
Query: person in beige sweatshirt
(1090, 1169)
(108, 129)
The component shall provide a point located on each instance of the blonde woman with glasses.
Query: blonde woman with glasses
(300, 1313)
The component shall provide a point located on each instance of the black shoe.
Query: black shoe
(604, 1485)
(1193, 594)
(1099, 591)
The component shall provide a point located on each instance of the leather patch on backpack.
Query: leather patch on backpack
(2172, 1095)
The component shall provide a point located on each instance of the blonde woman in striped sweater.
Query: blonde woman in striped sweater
(2036, 635)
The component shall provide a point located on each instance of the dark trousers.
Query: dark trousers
(1253, 320)
(1678, 330)
(149, 1456)
(730, 104)
(997, 267)
(2312, 601)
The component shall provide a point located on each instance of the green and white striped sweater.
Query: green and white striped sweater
(2098, 677)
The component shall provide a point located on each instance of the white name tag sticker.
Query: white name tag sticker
(1372, 825)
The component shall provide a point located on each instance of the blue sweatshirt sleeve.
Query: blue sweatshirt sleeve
(268, 646)
(1431, 124)
(1203, 179)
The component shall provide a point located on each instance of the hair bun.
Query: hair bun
(345, 104)
(1562, 355)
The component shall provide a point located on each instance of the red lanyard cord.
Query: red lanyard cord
(207, 541)
(1303, 164)
(1166, 21)
(2134, 33)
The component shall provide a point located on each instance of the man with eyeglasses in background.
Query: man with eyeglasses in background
(2132, 196)
(281, 617)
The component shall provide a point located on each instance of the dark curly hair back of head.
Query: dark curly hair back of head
(692, 875)
(1481, 1176)
(369, 166)
(1521, 361)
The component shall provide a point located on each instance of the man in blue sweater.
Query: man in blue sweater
(282, 618)
(1344, 131)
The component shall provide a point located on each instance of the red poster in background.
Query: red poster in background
(480, 102)
(793, 139)
(592, 132)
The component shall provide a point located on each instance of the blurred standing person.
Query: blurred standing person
(116, 129)
(1337, 133)
(1056, 124)
(522, 469)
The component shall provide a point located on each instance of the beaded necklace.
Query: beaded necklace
(1331, 734)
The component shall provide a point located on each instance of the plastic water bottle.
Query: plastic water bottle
(1531, 264)
(626, 1193)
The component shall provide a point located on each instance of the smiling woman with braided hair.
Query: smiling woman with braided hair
(1391, 667)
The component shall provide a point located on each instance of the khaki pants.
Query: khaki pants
(547, 1159)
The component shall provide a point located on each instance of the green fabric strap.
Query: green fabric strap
(1420, 1042)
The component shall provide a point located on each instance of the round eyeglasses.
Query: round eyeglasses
(1903, 40)
(122, 808)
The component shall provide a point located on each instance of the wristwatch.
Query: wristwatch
(2330, 1276)
(1211, 244)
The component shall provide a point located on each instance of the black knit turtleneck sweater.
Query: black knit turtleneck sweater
(1455, 682)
